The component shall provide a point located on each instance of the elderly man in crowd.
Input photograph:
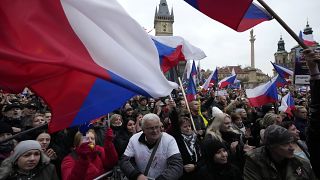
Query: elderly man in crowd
(166, 164)
(276, 160)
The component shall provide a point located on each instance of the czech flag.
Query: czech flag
(226, 81)
(307, 39)
(191, 90)
(212, 79)
(173, 49)
(287, 104)
(282, 71)
(238, 15)
(263, 94)
(280, 81)
(84, 58)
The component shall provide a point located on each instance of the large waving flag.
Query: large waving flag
(263, 94)
(173, 49)
(287, 104)
(212, 79)
(238, 15)
(282, 71)
(226, 81)
(84, 57)
(307, 39)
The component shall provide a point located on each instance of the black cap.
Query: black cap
(8, 107)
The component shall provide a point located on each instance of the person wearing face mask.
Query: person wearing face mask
(216, 165)
(7, 147)
(28, 162)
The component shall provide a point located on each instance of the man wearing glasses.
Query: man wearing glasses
(166, 162)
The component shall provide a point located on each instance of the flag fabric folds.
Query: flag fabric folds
(254, 15)
(84, 58)
(173, 49)
(282, 71)
(287, 104)
(307, 39)
(280, 81)
(226, 81)
(212, 79)
(263, 94)
(238, 15)
(191, 90)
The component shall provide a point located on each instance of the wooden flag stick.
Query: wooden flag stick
(185, 98)
(283, 24)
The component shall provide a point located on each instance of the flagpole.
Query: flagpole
(185, 98)
(283, 24)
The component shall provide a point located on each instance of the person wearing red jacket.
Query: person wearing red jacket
(89, 160)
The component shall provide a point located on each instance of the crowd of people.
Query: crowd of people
(216, 137)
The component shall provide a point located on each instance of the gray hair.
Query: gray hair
(149, 117)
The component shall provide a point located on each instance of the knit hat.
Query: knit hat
(23, 147)
(276, 135)
(5, 128)
(269, 119)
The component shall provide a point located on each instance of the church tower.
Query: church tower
(281, 56)
(163, 20)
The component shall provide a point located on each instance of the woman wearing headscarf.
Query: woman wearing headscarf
(216, 164)
(27, 162)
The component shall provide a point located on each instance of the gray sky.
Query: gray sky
(224, 46)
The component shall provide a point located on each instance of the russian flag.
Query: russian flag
(282, 71)
(263, 94)
(191, 90)
(84, 58)
(226, 81)
(173, 49)
(307, 39)
(287, 104)
(212, 79)
(238, 15)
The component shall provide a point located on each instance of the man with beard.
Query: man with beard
(6, 147)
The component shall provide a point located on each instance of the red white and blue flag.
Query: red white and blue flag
(282, 71)
(173, 49)
(84, 58)
(280, 81)
(227, 81)
(287, 104)
(238, 15)
(307, 39)
(191, 90)
(212, 79)
(263, 94)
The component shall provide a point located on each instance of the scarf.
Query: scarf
(189, 141)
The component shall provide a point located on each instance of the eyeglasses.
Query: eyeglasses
(152, 128)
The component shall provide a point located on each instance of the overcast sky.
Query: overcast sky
(224, 46)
